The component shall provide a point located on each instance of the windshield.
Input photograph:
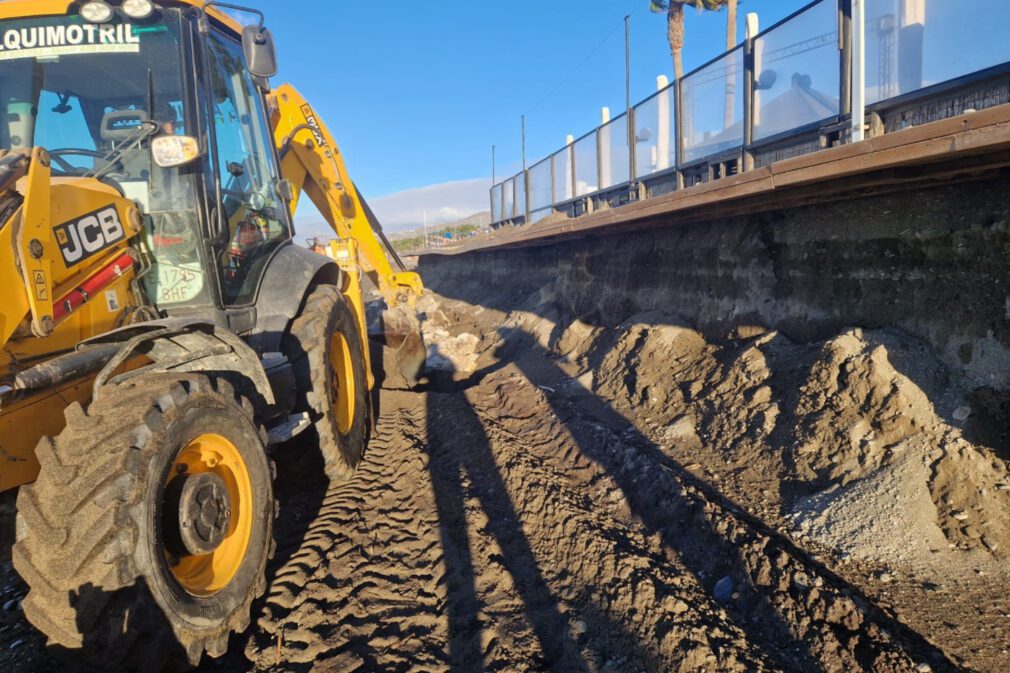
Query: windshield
(89, 94)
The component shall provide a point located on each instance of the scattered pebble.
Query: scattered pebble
(959, 515)
(723, 590)
(962, 413)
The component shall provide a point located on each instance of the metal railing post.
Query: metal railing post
(678, 116)
(554, 195)
(858, 69)
(526, 196)
(845, 56)
(632, 148)
(572, 177)
(590, 205)
(749, 90)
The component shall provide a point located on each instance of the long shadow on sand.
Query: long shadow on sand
(708, 550)
(463, 457)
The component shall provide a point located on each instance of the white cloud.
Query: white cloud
(443, 203)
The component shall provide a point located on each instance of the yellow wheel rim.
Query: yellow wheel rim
(206, 574)
(342, 382)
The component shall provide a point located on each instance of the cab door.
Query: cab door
(251, 219)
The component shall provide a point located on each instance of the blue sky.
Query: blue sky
(417, 92)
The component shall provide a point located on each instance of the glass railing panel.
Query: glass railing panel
(508, 198)
(540, 185)
(496, 201)
(656, 133)
(614, 156)
(713, 107)
(797, 72)
(563, 175)
(587, 178)
(913, 44)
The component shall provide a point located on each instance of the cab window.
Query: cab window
(255, 217)
(95, 97)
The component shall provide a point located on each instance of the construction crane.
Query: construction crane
(160, 331)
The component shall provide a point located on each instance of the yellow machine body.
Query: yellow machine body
(32, 290)
(35, 283)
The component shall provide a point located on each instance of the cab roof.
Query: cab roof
(20, 9)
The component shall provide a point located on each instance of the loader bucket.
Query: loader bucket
(403, 349)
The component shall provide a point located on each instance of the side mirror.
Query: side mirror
(171, 151)
(260, 54)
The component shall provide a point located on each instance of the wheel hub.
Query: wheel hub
(204, 512)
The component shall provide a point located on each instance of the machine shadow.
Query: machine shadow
(708, 552)
(464, 458)
(163, 652)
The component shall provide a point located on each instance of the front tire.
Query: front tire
(145, 538)
(325, 349)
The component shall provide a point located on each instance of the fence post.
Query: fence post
(750, 96)
(599, 159)
(858, 67)
(678, 117)
(526, 179)
(554, 196)
(571, 177)
(845, 56)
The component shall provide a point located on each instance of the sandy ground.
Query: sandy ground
(570, 497)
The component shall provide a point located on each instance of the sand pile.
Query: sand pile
(862, 432)
(850, 425)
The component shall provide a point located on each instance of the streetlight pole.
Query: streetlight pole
(526, 182)
(627, 62)
(629, 121)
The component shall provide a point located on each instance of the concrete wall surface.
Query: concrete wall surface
(931, 263)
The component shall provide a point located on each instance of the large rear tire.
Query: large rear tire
(325, 349)
(145, 538)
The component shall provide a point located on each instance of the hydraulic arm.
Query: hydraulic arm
(312, 164)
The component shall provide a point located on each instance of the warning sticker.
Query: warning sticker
(112, 301)
(52, 41)
(39, 280)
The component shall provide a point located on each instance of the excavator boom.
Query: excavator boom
(311, 161)
(312, 164)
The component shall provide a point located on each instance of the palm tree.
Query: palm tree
(675, 34)
(675, 24)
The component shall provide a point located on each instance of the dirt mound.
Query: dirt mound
(863, 448)
(829, 414)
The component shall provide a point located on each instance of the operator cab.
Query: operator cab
(169, 116)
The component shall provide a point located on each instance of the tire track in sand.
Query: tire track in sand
(360, 592)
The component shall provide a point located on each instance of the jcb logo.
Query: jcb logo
(92, 233)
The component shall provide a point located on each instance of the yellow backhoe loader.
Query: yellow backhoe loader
(160, 332)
